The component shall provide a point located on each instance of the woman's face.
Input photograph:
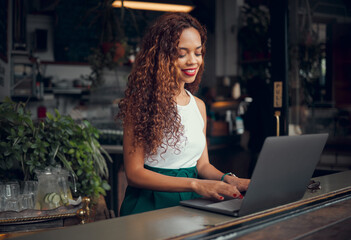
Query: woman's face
(189, 55)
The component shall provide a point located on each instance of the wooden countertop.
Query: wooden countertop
(182, 222)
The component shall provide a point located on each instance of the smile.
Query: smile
(189, 72)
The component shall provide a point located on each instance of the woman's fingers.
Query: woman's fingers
(241, 183)
(229, 191)
(217, 190)
(218, 197)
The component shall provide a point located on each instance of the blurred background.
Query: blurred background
(272, 68)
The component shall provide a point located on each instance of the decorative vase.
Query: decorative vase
(119, 51)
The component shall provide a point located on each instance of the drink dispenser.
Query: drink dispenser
(53, 188)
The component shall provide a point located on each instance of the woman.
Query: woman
(165, 125)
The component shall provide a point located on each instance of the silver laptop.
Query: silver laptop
(281, 175)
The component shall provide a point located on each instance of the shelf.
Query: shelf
(20, 52)
(69, 91)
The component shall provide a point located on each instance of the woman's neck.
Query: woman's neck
(182, 98)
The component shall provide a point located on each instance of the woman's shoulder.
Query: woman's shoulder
(199, 101)
(201, 105)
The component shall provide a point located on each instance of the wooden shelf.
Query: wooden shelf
(69, 91)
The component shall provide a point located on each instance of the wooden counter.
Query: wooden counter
(330, 206)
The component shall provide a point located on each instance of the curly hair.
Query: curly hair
(153, 83)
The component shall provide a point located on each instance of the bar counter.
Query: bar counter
(325, 211)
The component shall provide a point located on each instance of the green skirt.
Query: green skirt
(137, 200)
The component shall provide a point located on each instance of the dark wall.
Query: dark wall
(78, 27)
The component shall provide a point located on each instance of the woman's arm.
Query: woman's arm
(140, 177)
(207, 170)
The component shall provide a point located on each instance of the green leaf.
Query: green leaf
(9, 163)
(102, 191)
(49, 116)
(20, 111)
(57, 114)
(24, 149)
(29, 122)
(31, 168)
(20, 131)
(7, 153)
(105, 185)
(69, 131)
(80, 161)
(66, 164)
(55, 152)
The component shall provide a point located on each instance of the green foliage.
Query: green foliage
(26, 145)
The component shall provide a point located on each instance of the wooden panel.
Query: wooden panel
(339, 230)
(311, 225)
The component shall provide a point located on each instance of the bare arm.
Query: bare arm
(140, 177)
(207, 170)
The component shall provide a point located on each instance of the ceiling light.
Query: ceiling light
(153, 6)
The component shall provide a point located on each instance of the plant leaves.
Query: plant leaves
(56, 140)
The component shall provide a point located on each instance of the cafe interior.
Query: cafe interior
(272, 68)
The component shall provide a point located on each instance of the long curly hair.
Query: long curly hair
(149, 102)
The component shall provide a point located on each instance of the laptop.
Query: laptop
(281, 175)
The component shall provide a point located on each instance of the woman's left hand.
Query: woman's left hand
(241, 183)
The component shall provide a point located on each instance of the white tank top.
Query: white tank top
(191, 145)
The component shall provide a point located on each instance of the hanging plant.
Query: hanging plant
(107, 56)
(113, 49)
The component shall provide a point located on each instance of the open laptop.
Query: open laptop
(281, 175)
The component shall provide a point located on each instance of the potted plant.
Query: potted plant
(26, 145)
(113, 48)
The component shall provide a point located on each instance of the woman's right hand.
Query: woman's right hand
(213, 189)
